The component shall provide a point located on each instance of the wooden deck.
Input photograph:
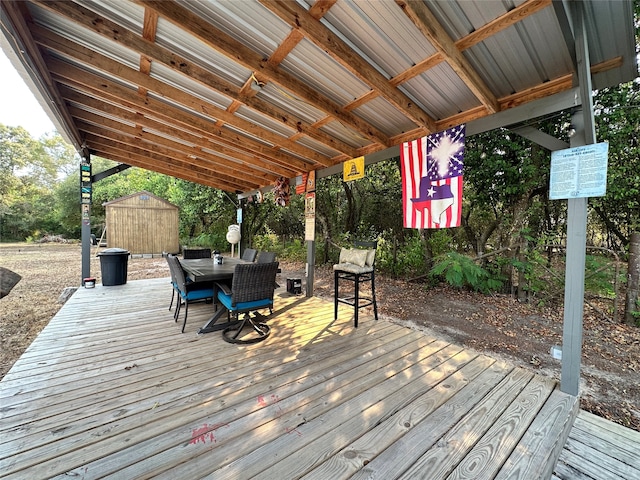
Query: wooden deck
(111, 388)
(600, 450)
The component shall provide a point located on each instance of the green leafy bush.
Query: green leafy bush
(268, 242)
(295, 251)
(215, 241)
(461, 271)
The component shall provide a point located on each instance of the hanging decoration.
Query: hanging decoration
(432, 178)
(281, 192)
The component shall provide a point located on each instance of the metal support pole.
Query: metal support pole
(584, 124)
(86, 187)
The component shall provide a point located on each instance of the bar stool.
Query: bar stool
(356, 265)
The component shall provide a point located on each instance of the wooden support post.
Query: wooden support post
(311, 266)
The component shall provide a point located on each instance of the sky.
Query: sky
(18, 106)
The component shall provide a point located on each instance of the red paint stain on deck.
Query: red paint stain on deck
(205, 433)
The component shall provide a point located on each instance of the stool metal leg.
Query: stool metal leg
(335, 295)
(373, 295)
(356, 301)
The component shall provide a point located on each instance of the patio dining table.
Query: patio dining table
(207, 270)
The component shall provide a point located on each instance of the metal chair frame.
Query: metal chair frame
(356, 300)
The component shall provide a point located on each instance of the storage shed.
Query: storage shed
(142, 223)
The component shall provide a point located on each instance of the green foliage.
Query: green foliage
(636, 313)
(28, 176)
(618, 123)
(461, 271)
(599, 275)
(295, 251)
(533, 265)
(268, 242)
(214, 241)
(406, 261)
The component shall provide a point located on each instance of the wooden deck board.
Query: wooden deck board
(599, 449)
(111, 388)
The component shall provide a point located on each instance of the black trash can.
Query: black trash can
(113, 265)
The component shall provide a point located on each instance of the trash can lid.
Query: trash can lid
(114, 251)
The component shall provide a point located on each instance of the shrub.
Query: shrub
(461, 271)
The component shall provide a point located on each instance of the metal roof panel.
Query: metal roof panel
(289, 102)
(382, 32)
(441, 91)
(317, 69)
(193, 49)
(184, 83)
(265, 122)
(385, 117)
(247, 21)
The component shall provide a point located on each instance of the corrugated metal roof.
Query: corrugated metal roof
(246, 21)
(197, 89)
(318, 70)
(384, 116)
(382, 32)
(128, 14)
(287, 87)
(191, 48)
(442, 91)
(288, 101)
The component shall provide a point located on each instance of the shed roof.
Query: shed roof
(234, 94)
(138, 195)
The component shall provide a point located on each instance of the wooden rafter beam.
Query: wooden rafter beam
(428, 24)
(17, 15)
(299, 19)
(552, 87)
(240, 53)
(100, 62)
(190, 154)
(111, 150)
(513, 16)
(174, 159)
(114, 143)
(497, 25)
(85, 18)
(149, 29)
(121, 155)
(111, 92)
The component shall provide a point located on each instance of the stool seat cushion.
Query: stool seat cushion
(355, 256)
(353, 268)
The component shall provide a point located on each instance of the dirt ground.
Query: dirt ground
(496, 325)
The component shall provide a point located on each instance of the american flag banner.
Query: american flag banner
(432, 173)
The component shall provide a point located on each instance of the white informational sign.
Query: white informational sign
(579, 172)
(310, 216)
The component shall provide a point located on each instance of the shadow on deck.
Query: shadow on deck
(112, 388)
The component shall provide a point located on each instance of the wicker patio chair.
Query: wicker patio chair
(196, 253)
(189, 292)
(252, 289)
(249, 254)
(266, 257)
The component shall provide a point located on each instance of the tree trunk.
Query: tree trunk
(326, 235)
(351, 220)
(633, 280)
(428, 251)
